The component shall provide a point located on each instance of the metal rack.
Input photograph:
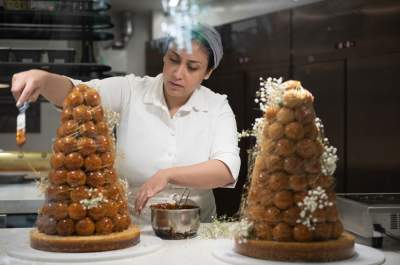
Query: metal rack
(86, 21)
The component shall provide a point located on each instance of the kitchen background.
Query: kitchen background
(347, 53)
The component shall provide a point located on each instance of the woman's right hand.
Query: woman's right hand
(27, 86)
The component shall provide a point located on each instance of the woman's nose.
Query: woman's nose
(179, 71)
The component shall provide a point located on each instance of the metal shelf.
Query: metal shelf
(33, 17)
(54, 34)
(66, 5)
(72, 69)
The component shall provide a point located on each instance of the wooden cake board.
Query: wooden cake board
(319, 251)
(95, 243)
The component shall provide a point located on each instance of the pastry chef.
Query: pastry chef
(173, 132)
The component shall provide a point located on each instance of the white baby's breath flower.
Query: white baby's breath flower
(329, 157)
(92, 203)
(315, 199)
(224, 227)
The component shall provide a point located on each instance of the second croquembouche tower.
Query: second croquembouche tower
(291, 197)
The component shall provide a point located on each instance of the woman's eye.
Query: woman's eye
(191, 68)
(174, 60)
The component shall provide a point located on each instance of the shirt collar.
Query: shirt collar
(154, 95)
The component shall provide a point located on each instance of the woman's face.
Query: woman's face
(183, 72)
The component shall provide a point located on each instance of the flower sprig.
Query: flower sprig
(256, 128)
(272, 90)
(329, 157)
(269, 93)
(315, 199)
(226, 227)
(93, 202)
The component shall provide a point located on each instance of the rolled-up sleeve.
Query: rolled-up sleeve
(225, 143)
(115, 92)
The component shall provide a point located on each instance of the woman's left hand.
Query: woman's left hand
(150, 188)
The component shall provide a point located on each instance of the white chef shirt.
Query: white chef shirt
(148, 139)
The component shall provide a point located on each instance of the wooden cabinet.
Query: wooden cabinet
(373, 124)
(231, 85)
(379, 32)
(257, 41)
(321, 30)
(154, 56)
(332, 30)
(262, 40)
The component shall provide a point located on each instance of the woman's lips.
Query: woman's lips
(175, 84)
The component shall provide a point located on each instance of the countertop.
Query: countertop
(172, 252)
(25, 198)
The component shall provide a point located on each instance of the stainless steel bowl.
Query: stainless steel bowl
(178, 223)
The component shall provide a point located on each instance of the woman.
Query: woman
(173, 132)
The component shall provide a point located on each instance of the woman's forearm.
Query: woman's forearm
(57, 88)
(206, 175)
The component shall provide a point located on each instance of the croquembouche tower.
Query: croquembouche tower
(291, 198)
(85, 207)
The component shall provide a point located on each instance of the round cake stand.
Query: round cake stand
(224, 251)
(21, 250)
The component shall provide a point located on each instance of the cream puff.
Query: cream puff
(282, 232)
(92, 98)
(298, 183)
(104, 226)
(76, 178)
(284, 147)
(85, 227)
(285, 115)
(283, 199)
(73, 161)
(76, 211)
(263, 230)
(293, 164)
(278, 181)
(302, 233)
(81, 114)
(93, 162)
(294, 131)
(275, 131)
(306, 148)
(291, 215)
(65, 227)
